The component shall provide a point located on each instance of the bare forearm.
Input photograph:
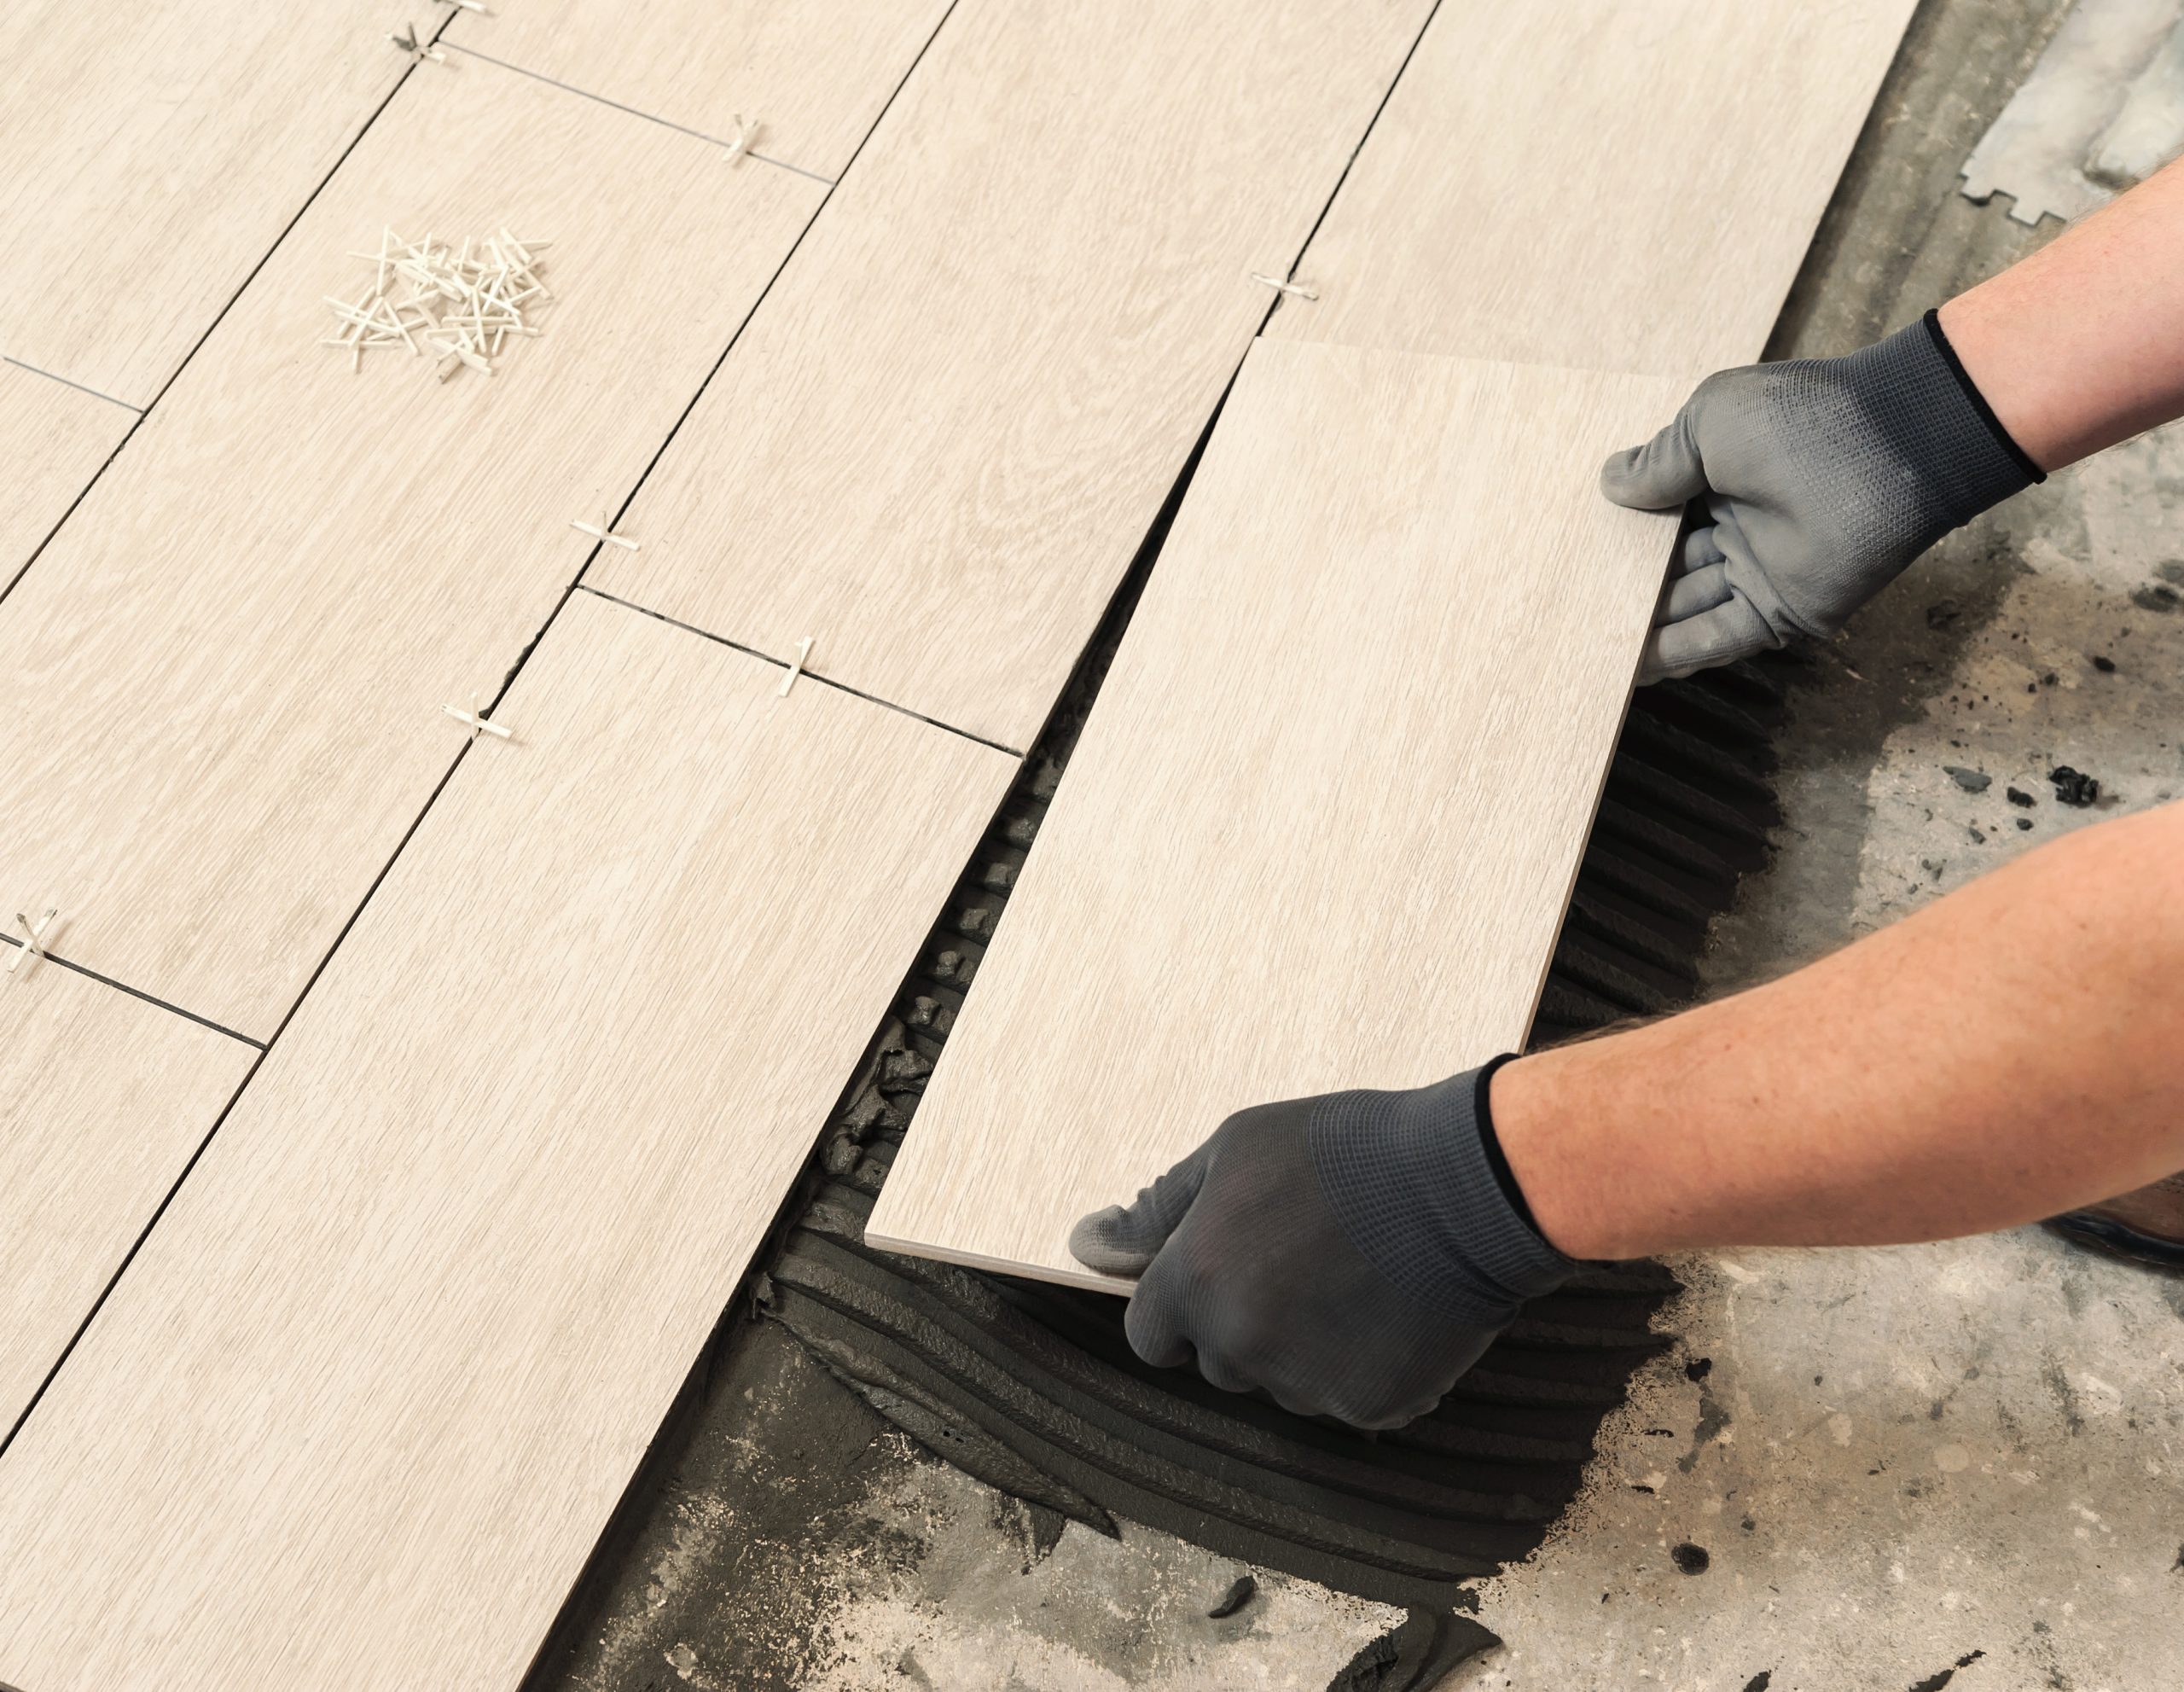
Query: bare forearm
(2014, 1050)
(2082, 345)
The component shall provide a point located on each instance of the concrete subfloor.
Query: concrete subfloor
(1954, 1465)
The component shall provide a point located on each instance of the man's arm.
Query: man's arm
(2013, 1050)
(2082, 345)
(1814, 482)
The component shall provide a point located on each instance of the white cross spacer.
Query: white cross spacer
(599, 530)
(418, 49)
(476, 723)
(35, 947)
(803, 652)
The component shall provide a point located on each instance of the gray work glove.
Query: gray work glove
(1821, 479)
(1351, 1254)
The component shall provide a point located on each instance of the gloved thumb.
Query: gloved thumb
(1660, 475)
(1124, 1239)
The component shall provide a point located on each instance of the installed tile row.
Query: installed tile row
(933, 450)
(360, 1407)
(150, 156)
(53, 439)
(226, 671)
(1604, 184)
(938, 443)
(811, 75)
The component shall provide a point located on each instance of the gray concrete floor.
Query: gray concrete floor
(1949, 1465)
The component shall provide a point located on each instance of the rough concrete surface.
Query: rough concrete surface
(799, 1541)
(1894, 1460)
(1876, 1471)
(1093, 1615)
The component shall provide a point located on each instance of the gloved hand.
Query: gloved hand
(1352, 1254)
(1822, 479)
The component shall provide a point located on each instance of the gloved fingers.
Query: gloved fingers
(1125, 1239)
(1728, 632)
(1664, 473)
(1374, 1402)
(1690, 596)
(1160, 1327)
(1224, 1371)
(1701, 548)
(1299, 1401)
(1380, 1418)
(1298, 1406)
(1154, 1323)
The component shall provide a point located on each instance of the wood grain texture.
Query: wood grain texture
(150, 155)
(53, 439)
(951, 423)
(1325, 814)
(358, 1412)
(814, 74)
(1611, 184)
(224, 676)
(103, 1098)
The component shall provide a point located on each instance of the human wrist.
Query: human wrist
(1409, 1177)
(1539, 1126)
(1991, 351)
(1927, 414)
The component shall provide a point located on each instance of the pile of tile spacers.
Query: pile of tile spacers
(462, 304)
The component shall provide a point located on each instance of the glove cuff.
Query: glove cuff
(1411, 1181)
(1932, 323)
(1927, 410)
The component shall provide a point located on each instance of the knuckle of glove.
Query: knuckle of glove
(1377, 1399)
(1815, 599)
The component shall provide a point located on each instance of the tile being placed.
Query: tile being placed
(1326, 810)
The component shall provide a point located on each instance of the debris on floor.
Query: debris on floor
(1238, 1595)
(2073, 788)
